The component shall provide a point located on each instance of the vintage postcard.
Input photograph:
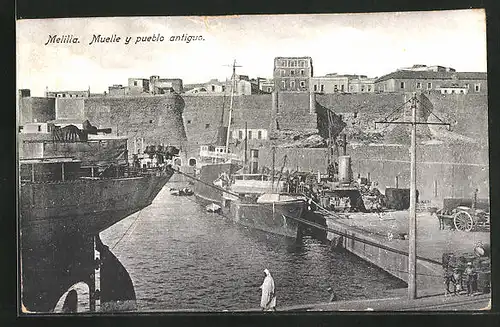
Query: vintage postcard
(319, 162)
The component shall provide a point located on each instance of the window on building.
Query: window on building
(259, 135)
(249, 135)
(462, 91)
(369, 88)
(292, 84)
(282, 72)
(207, 125)
(284, 84)
(402, 85)
(335, 87)
(135, 83)
(429, 86)
(223, 88)
(322, 88)
(230, 134)
(150, 121)
(302, 63)
(269, 89)
(64, 95)
(39, 128)
(189, 121)
(419, 85)
(477, 87)
(362, 89)
(213, 88)
(292, 72)
(342, 87)
(302, 84)
(283, 63)
(315, 88)
(240, 134)
(301, 72)
(467, 86)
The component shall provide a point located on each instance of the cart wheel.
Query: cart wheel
(463, 221)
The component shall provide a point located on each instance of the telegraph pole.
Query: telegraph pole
(412, 232)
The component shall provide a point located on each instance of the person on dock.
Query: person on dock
(456, 280)
(268, 299)
(470, 278)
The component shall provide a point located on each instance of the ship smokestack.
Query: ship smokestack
(344, 145)
(254, 161)
(345, 175)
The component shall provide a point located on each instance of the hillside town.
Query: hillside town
(295, 74)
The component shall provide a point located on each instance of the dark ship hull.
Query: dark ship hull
(85, 206)
(58, 223)
(275, 218)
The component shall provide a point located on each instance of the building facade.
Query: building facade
(67, 94)
(159, 85)
(362, 85)
(330, 83)
(453, 89)
(215, 87)
(137, 86)
(117, 90)
(292, 73)
(428, 81)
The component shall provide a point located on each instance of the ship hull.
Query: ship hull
(86, 206)
(267, 217)
(208, 174)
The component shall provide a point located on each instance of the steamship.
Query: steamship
(259, 201)
(73, 183)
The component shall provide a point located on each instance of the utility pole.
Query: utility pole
(412, 232)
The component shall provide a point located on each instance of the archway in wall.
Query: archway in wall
(192, 162)
(178, 161)
(82, 290)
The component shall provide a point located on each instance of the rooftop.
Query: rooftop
(410, 74)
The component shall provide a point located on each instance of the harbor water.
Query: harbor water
(181, 257)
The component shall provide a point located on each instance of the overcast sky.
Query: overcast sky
(369, 44)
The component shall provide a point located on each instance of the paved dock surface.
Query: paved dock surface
(431, 303)
(431, 241)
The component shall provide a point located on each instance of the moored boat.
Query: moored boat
(256, 201)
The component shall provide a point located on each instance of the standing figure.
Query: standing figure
(470, 277)
(268, 299)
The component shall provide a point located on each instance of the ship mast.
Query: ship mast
(233, 80)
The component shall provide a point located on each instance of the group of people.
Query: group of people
(456, 278)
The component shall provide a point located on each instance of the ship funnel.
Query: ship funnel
(345, 175)
(254, 161)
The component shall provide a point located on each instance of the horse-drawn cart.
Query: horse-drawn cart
(464, 214)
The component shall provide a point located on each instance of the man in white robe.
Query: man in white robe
(268, 299)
